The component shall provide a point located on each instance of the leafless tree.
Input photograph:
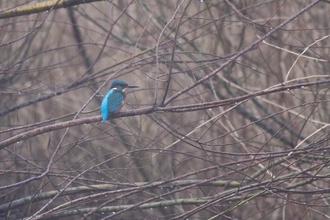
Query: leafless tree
(230, 120)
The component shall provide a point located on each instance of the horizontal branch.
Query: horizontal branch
(41, 7)
(109, 187)
(142, 111)
(208, 105)
(230, 195)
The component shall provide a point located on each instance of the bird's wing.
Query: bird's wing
(104, 107)
(115, 100)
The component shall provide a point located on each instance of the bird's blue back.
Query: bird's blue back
(111, 102)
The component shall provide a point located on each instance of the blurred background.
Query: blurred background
(259, 157)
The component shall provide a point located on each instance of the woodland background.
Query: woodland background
(230, 120)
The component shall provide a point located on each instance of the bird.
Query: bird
(115, 99)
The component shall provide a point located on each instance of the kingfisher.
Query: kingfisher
(115, 99)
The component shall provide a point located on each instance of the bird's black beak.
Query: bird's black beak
(131, 86)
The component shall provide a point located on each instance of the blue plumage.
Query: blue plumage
(114, 100)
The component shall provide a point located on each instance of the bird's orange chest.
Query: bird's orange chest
(122, 104)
